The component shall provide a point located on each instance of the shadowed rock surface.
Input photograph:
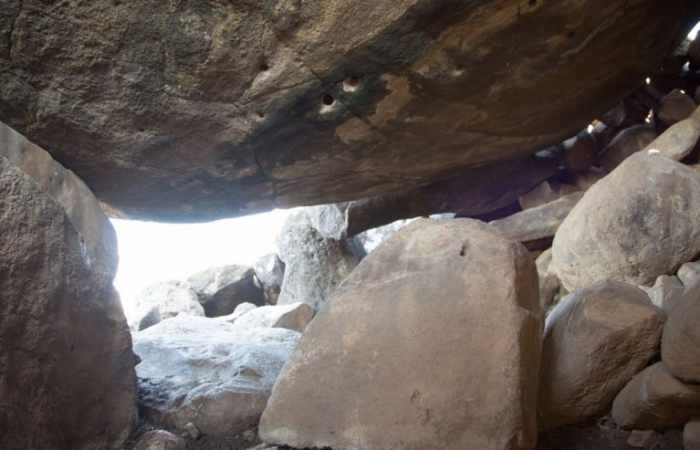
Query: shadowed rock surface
(66, 366)
(197, 110)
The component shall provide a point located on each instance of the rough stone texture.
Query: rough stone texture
(202, 371)
(679, 347)
(384, 349)
(603, 435)
(329, 220)
(221, 289)
(627, 142)
(642, 438)
(595, 341)
(545, 192)
(691, 435)
(295, 316)
(655, 399)
(550, 287)
(199, 110)
(314, 265)
(537, 223)
(160, 440)
(666, 292)
(164, 300)
(66, 366)
(373, 237)
(680, 139)
(639, 222)
(270, 272)
(674, 107)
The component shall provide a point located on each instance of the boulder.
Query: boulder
(639, 222)
(164, 300)
(294, 316)
(221, 289)
(202, 371)
(329, 220)
(691, 431)
(270, 272)
(66, 366)
(545, 192)
(371, 238)
(160, 440)
(537, 223)
(680, 351)
(595, 340)
(655, 399)
(580, 152)
(674, 107)
(432, 287)
(314, 265)
(626, 143)
(550, 287)
(679, 140)
(688, 272)
(241, 309)
(666, 292)
(201, 110)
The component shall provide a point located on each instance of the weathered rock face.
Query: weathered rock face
(691, 435)
(66, 366)
(221, 289)
(679, 348)
(639, 222)
(164, 300)
(270, 272)
(433, 287)
(550, 287)
(202, 371)
(628, 142)
(655, 399)
(314, 265)
(198, 110)
(595, 341)
(666, 293)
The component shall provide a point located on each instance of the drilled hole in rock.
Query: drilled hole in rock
(328, 100)
(264, 67)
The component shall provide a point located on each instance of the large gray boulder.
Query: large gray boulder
(221, 289)
(200, 110)
(595, 340)
(433, 342)
(203, 371)
(655, 399)
(294, 316)
(680, 139)
(639, 222)
(164, 300)
(66, 366)
(314, 265)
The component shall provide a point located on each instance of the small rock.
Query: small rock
(654, 398)
(192, 430)
(596, 339)
(691, 435)
(164, 300)
(294, 316)
(642, 438)
(270, 271)
(680, 351)
(221, 289)
(679, 140)
(688, 272)
(627, 142)
(666, 292)
(160, 440)
(674, 107)
(537, 223)
(241, 309)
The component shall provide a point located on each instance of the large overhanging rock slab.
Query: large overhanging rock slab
(198, 110)
(432, 343)
(66, 367)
